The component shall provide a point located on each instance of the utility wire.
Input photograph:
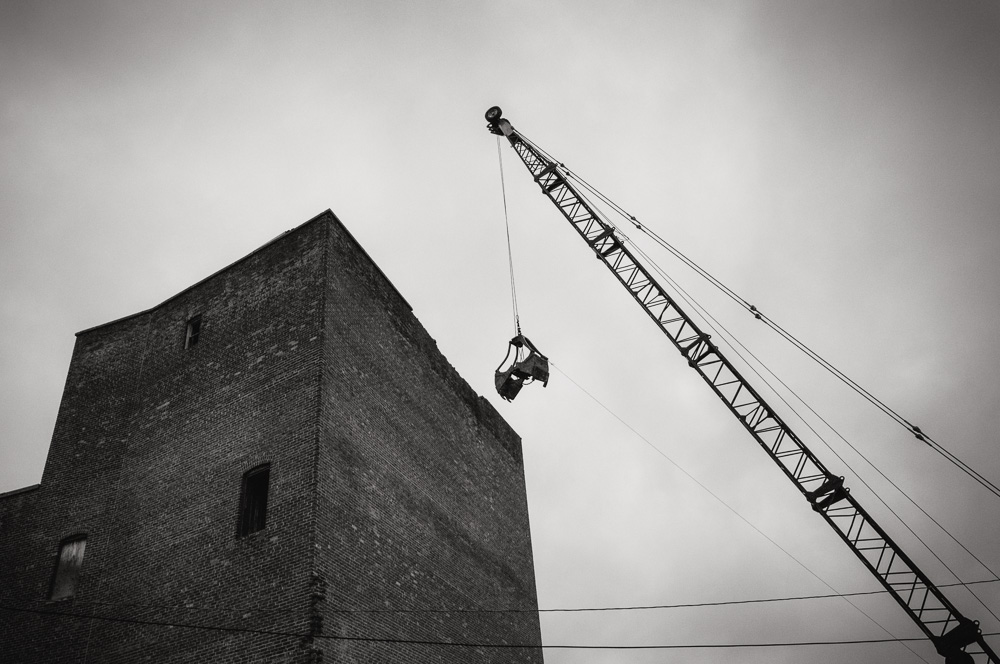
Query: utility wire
(459, 611)
(460, 644)
(649, 607)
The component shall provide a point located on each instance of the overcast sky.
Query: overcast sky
(836, 163)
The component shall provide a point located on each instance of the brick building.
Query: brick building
(277, 464)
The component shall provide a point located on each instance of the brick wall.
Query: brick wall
(392, 484)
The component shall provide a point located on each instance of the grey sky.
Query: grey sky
(836, 163)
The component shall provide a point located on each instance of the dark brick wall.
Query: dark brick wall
(392, 484)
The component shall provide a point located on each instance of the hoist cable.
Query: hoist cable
(510, 253)
(816, 357)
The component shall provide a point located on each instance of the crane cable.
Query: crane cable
(510, 253)
(916, 431)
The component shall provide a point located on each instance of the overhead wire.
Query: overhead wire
(461, 644)
(459, 610)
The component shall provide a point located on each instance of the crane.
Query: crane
(955, 637)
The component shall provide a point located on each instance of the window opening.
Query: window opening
(193, 331)
(253, 500)
(68, 568)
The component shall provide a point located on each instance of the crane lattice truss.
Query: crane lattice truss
(955, 637)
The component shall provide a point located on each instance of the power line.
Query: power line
(737, 602)
(644, 607)
(462, 644)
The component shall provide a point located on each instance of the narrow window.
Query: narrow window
(193, 331)
(253, 500)
(68, 567)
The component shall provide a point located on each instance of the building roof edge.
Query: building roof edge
(326, 214)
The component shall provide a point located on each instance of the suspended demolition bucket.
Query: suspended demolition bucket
(527, 365)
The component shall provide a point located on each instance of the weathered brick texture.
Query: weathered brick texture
(396, 510)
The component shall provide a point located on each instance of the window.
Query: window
(253, 500)
(193, 331)
(68, 567)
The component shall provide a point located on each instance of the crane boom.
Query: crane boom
(957, 638)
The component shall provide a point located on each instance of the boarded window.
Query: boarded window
(253, 500)
(193, 332)
(68, 568)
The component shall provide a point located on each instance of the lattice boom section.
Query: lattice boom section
(772, 434)
(882, 558)
(534, 162)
